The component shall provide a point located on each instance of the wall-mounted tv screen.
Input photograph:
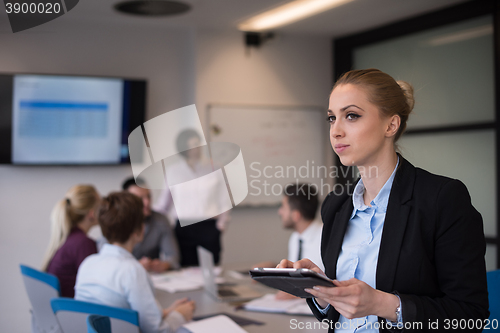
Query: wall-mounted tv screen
(68, 120)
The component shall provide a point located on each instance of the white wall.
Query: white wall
(288, 70)
(182, 68)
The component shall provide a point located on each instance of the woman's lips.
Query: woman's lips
(340, 147)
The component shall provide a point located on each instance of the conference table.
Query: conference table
(271, 322)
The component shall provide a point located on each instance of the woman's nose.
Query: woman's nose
(336, 130)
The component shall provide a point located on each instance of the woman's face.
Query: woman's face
(358, 130)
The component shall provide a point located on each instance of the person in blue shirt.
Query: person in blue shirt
(406, 249)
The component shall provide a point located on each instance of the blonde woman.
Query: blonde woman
(72, 218)
(406, 248)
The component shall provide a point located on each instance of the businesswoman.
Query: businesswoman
(71, 219)
(406, 249)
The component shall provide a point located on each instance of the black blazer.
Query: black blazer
(431, 252)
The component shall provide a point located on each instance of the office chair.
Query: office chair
(41, 288)
(72, 316)
(494, 294)
(98, 324)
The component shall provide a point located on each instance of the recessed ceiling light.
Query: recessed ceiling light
(288, 13)
(152, 8)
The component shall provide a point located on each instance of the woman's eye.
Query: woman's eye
(330, 119)
(352, 116)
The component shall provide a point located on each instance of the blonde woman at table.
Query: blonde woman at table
(406, 249)
(71, 219)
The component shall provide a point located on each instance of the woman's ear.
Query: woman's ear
(393, 126)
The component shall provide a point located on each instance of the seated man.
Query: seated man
(297, 211)
(114, 277)
(158, 251)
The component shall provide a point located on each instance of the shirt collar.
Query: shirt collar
(310, 232)
(115, 250)
(380, 201)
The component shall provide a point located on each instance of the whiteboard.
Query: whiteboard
(280, 145)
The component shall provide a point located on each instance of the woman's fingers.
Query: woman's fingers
(304, 263)
(285, 264)
(323, 293)
(346, 282)
(338, 293)
(352, 298)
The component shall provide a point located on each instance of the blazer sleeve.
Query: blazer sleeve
(459, 248)
(315, 310)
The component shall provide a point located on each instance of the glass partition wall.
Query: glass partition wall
(449, 57)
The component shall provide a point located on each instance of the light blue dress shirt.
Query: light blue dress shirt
(358, 257)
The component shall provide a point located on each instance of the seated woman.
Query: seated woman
(72, 217)
(115, 278)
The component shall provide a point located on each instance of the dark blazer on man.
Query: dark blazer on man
(431, 252)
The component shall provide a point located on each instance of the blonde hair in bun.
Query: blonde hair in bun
(408, 91)
(391, 97)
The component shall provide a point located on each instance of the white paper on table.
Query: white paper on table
(237, 275)
(269, 303)
(183, 280)
(177, 286)
(300, 308)
(217, 324)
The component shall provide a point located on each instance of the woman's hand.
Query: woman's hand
(175, 304)
(186, 309)
(184, 306)
(158, 266)
(354, 299)
(305, 263)
(146, 263)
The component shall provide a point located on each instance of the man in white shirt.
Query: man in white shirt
(115, 278)
(297, 212)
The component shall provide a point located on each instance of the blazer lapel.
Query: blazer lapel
(336, 237)
(395, 222)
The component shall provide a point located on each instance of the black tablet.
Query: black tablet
(291, 280)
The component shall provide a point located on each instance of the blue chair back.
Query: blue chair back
(41, 288)
(72, 316)
(494, 294)
(98, 324)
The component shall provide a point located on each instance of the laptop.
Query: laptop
(227, 293)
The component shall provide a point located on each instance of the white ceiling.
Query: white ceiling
(349, 18)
